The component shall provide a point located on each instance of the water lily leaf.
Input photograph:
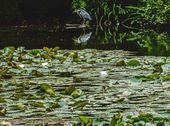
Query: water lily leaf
(78, 79)
(160, 124)
(65, 74)
(84, 119)
(8, 50)
(3, 71)
(80, 104)
(69, 90)
(77, 93)
(60, 58)
(37, 104)
(2, 100)
(35, 52)
(158, 69)
(90, 122)
(37, 73)
(116, 119)
(47, 89)
(21, 107)
(140, 123)
(166, 77)
(2, 111)
(133, 63)
(14, 71)
(120, 124)
(143, 117)
(6, 76)
(121, 63)
(52, 106)
(148, 77)
(74, 56)
(166, 67)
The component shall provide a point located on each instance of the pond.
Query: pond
(95, 73)
(143, 42)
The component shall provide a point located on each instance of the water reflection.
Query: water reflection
(82, 39)
(143, 42)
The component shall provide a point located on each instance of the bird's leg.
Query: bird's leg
(84, 21)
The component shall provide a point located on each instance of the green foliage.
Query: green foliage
(46, 88)
(133, 62)
(153, 11)
(77, 4)
(142, 119)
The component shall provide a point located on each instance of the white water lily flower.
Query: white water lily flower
(21, 65)
(81, 57)
(103, 73)
(44, 64)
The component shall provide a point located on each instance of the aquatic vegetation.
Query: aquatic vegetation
(71, 88)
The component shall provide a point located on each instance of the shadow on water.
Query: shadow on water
(143, 42)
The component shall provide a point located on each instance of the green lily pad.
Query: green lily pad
(86, 121)
(151, 77)
(77, 93)
(2, 100)
(133, 63)
(116, 119)
(21, 107)
(46, 88)
(69, 90)
(2, 111)
(79, 104)
(37, 104)
(6, 76)
(121, 63)
(35, 52)
(166, 77)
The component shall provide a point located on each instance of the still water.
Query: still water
(143, 42)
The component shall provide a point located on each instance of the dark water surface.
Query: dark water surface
(74, 38)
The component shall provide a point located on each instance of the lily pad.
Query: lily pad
(69, 90)
(133, 62)
(47, 88)
(77, 93)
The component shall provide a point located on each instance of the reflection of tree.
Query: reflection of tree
(152, 42)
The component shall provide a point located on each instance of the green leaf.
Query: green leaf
(116, 119)
(21, 107)
(121, 63)
(79, 104)
(133, 63)
(166, 77)
(46, 88)
(84, 119)
(69, 90)
(151, 77)
(2, 111)
(37, 104)
(2, 100)
(77, 93)
(35, 52)
(160, 124)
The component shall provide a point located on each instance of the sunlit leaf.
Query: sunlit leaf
(47, 88)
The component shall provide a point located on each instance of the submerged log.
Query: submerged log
(71, 26)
